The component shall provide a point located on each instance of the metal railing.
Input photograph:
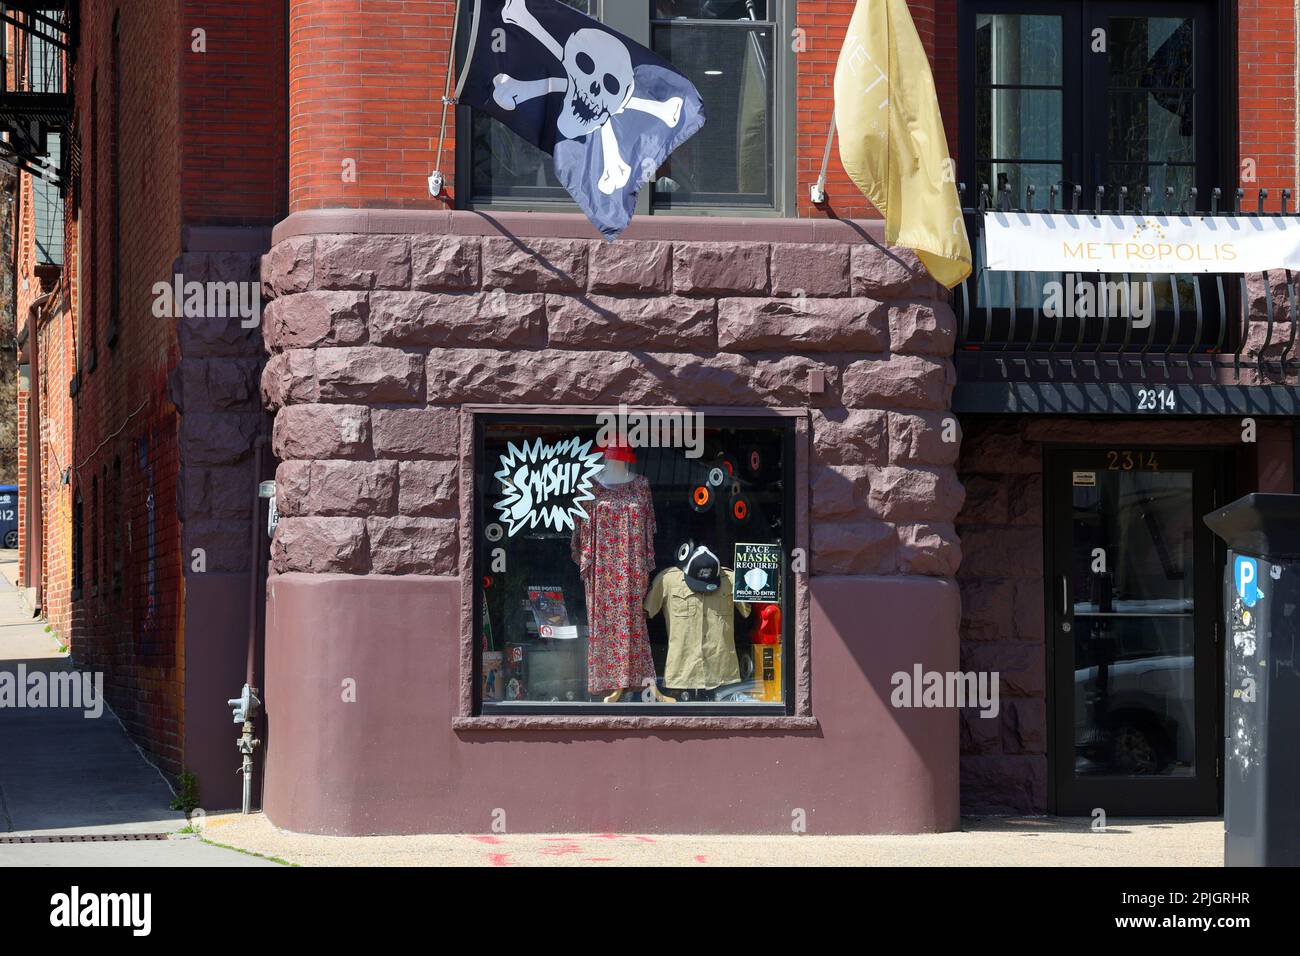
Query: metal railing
(1202, 326)
(37, 40)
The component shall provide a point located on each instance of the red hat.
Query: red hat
(769, 624)
(617, 452)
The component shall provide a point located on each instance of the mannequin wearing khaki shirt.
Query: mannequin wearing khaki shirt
(701, 630)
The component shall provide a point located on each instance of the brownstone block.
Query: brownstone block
(723, 268)
(320, 545)
(535, 265)
(413, 545)
(810, 269)
(803, 325)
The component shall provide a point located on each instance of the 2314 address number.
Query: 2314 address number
(1156, 400)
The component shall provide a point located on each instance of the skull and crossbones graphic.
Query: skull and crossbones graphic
(598, 84)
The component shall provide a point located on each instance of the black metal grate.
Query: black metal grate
(84, 838)
(1200, 331)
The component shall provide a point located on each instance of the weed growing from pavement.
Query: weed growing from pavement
(260, 856)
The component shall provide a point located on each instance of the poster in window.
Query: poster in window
(550, 614)
(758, 570)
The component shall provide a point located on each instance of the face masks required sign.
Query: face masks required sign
(758, 574)
(1067, 242)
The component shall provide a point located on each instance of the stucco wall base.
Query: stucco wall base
(392, 761)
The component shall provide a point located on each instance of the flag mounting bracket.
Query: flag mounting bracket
(817, 191)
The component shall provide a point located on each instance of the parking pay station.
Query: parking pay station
(1262, 679)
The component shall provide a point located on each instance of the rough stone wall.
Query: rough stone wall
(215, 388)
(375, 341)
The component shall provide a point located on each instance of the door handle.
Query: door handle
(1066, 625)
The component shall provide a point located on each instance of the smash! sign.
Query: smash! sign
(546, 484)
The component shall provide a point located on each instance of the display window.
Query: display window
(633, 563)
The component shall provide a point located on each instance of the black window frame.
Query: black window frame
(1083, 110)
(481, 553)
(621, 16)
(1216, 140)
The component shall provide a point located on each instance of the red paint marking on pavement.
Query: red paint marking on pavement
(487, 839)
(561, 850)
(608, 836)
(597, 859)
(645, 839)
(499, 859)
(701, 859)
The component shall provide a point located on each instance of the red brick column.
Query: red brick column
(365, 82)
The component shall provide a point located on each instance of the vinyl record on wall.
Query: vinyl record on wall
(754, 460)
(701, 498)
(739, 510)
(728, 464)
(717, 476)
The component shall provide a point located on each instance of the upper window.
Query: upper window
(1094, 96)
(44, 60)
(47, 208)
(630, 569)
(729, 49)
(1118, 103)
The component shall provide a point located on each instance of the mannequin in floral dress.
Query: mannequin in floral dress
(614, 550)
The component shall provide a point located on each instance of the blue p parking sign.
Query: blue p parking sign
(1245, 572)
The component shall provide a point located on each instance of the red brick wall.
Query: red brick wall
(365, 84)
(202, 142)
(129, 628)
(52, 341)
(233, 103)
(1266, 102)
(366, 78)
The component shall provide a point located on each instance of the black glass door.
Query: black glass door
(1132, 625)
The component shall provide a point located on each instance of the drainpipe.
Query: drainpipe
(35, 570)
(255, 560)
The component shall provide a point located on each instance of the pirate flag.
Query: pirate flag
(608, 110)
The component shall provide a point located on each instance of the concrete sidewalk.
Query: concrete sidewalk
(1034, 841)
(67, 775)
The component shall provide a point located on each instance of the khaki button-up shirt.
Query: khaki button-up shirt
(701, 630)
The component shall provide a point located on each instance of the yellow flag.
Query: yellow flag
(892, 142)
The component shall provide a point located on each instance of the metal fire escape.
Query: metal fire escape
(35, 95)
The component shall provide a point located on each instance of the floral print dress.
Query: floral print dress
(614, 551)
